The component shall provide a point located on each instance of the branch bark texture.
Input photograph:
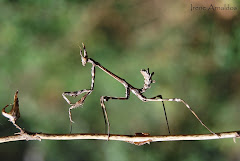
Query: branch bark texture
(137, 139)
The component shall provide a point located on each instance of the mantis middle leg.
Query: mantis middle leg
(106, 98)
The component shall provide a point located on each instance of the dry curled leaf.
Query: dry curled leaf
(14, 114)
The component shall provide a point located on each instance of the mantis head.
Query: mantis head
(84, 55)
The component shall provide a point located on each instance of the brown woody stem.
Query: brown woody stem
(134, 139)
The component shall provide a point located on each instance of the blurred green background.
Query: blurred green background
(194, 54)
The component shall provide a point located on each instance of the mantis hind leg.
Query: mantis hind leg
(182, 101)
(165, 113)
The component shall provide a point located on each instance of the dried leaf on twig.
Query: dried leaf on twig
(14, 114)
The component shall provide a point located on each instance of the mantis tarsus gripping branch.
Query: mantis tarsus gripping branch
(128, 87)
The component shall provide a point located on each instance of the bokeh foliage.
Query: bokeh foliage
(194, 54)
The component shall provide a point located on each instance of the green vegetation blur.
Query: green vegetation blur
(194, 54)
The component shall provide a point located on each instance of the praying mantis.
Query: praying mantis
(128, 88)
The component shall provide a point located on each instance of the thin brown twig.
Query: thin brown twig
(138, 139)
